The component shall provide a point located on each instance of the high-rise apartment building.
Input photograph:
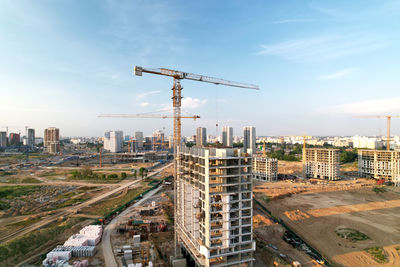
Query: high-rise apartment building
(264, 168)
(51, 141)
(139, 139)
(30, 141)
(227, 136)
(14, 139)
(170, 142)
(379, 164)
(321, 163)
(201, 137)
(249, 138)
(3, 139)
(113, 141)
(158, 140)
(214, 206)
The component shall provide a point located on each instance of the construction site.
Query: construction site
(321, 163)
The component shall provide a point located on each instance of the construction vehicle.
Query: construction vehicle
(388, 119)
(176, 100)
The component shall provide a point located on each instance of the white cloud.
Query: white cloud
(144, 104)
(368, 107)
(187, 103)
(192, 103)
(144, 95)
(324, 47)
(336, 75)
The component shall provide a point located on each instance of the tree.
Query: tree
(123, 175)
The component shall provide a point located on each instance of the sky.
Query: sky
(318, 65)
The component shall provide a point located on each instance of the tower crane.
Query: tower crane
(388, 120)
(176, 100)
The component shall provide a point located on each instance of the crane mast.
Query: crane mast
(388, 121)
(177, 103)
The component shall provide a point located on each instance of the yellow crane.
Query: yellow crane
(176, 101)
(388, 120)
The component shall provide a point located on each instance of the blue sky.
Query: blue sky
(318, 64)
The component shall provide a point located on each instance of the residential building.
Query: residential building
(321, 163)
(113, 141)
(227, 136)
(214, 206)
(249, 138)
(366, 142)
(158, 140)
(170, 142)
(39, 140)
(3, 139)
(201, 137)
(139, 139)
(52, 140)
(379, 164)
(14, 139)
(264, 168)
(30, 141)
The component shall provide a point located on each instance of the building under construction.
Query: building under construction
(264, 168)
(214, 206)
(379, 164)
(321, 163)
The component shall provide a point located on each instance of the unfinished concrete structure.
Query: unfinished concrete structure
(379, 164)
(264, 168)
(52, 140)
(321, 163)
(214, 206)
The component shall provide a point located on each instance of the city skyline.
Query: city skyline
(77, 59)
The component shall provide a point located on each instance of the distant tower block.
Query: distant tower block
(201, 137)
(52, 140)
(227, 136)
(249, 138)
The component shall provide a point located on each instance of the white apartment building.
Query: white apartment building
(113, 141)
(249, 138)
(366, 142)
(264, 168)
(201, 137)
(227, 136)
(321, 163)
(214, 206)
(379, 164)
(139, 139)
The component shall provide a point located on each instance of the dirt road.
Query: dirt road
(70, 210)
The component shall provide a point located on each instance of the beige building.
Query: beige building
(51, 141)
(379, 164)
(214, 206)
(264, 168)
(321, 163)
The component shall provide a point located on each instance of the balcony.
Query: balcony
(216, 234)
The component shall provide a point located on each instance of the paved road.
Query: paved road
(70, 210)
(108, 253)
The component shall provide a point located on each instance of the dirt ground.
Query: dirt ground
(290, 167)
(285, 188)
(268, 234)
(315, 216)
